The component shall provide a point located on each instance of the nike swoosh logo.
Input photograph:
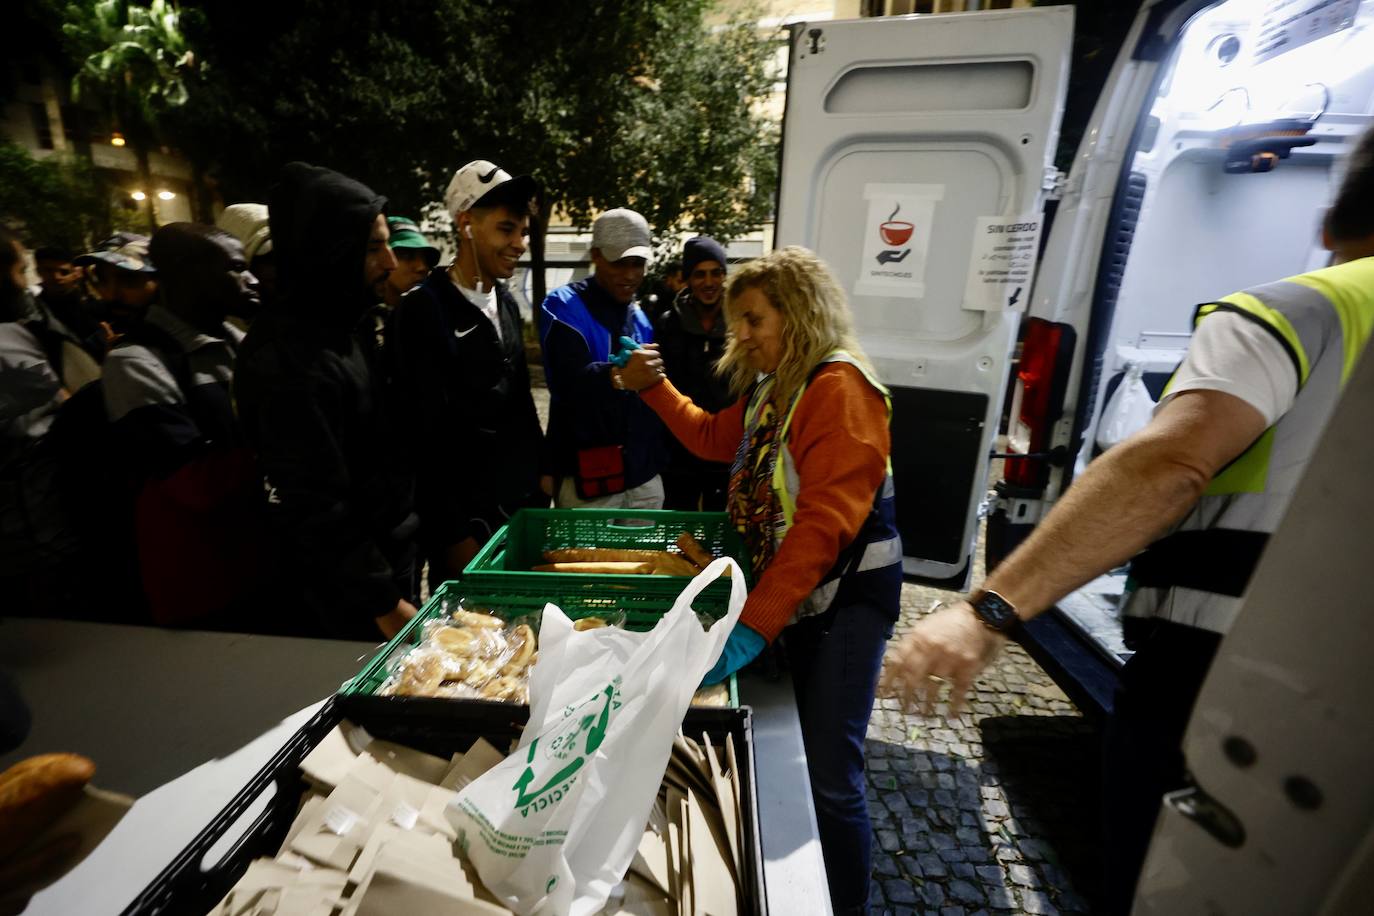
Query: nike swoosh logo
(458, 333)
(486, 179)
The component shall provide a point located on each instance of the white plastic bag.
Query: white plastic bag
(1129, 409)
(553, 828)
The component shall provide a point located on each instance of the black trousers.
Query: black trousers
(1143, 757)
(695, 489)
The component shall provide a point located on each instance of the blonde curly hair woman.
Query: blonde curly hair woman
(811, 495)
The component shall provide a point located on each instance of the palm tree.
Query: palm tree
(134, 64)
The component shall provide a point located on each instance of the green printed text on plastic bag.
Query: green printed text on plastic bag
(565, 751)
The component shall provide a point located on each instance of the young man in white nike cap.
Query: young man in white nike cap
(607, 447)
(457, 355)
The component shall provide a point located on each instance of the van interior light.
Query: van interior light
(165, 195)
(1220, 82)
(138, 195)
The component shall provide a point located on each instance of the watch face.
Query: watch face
(995, 611)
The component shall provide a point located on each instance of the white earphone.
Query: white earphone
(467, 230)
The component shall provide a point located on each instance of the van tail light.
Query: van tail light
(1037, 401)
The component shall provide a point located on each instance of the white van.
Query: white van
(918, 159)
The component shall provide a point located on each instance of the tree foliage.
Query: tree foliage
(133, 62)
(134, 59)
(631, 103)
(57, 200)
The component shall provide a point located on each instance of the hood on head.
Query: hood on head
(320, 223)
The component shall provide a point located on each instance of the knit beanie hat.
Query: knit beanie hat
(248, 224)
(698, 249)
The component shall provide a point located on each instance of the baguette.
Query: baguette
(693, 550)
(600, 555)
(613, 568)
(664, 562)
(672, 564)
(36, 792)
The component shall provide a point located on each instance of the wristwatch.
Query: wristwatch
(996, 612)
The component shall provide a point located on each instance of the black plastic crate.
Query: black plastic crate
(436, 726)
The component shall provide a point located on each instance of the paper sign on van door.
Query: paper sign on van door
(1002, 264)
(896, 239)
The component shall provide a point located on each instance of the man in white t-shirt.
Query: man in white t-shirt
(457, 354)
(1190, 500)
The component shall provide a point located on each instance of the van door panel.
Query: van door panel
(961, 111)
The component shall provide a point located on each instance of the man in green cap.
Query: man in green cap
(415, 258)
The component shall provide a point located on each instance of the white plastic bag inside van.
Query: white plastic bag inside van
(1129, 409)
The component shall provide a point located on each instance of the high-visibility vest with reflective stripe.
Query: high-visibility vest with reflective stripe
(877, 544)
(1197, 573)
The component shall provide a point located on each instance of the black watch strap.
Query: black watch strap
(996, 612)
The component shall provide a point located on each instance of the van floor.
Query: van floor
(995, 809)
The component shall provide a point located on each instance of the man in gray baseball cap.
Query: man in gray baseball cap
(606, 446)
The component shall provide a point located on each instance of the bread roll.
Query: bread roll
(36, 792)
(588, 623)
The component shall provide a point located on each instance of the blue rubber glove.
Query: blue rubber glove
(627, 347)
(741, 648)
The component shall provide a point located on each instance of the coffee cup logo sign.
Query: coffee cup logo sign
(895, 232)
(897, 239)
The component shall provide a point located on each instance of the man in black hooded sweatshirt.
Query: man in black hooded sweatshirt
(339, 487)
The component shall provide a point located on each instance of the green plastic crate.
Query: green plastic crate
(504, 564)
(641, 613)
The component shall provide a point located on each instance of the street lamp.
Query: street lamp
(139, 195)
(116, 139)
(165, 195)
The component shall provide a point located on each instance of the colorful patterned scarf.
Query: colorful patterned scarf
(753, 506)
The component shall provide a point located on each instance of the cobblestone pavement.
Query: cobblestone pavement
(994, 812)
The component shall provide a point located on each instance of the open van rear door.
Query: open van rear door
(916, 154)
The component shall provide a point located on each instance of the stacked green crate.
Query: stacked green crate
(505, 564)
(633, 611)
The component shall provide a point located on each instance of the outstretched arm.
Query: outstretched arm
(1125, 500)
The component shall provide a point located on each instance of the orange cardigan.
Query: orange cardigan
(839, 441)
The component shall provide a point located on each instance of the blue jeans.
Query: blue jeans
(835, 660)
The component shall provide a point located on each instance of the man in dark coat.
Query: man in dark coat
(313, 406)
(691, 339)
(457, 347)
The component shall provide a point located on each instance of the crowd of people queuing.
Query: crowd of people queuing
(276, 423)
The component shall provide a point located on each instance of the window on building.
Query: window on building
(74, 125)
(42, 129)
